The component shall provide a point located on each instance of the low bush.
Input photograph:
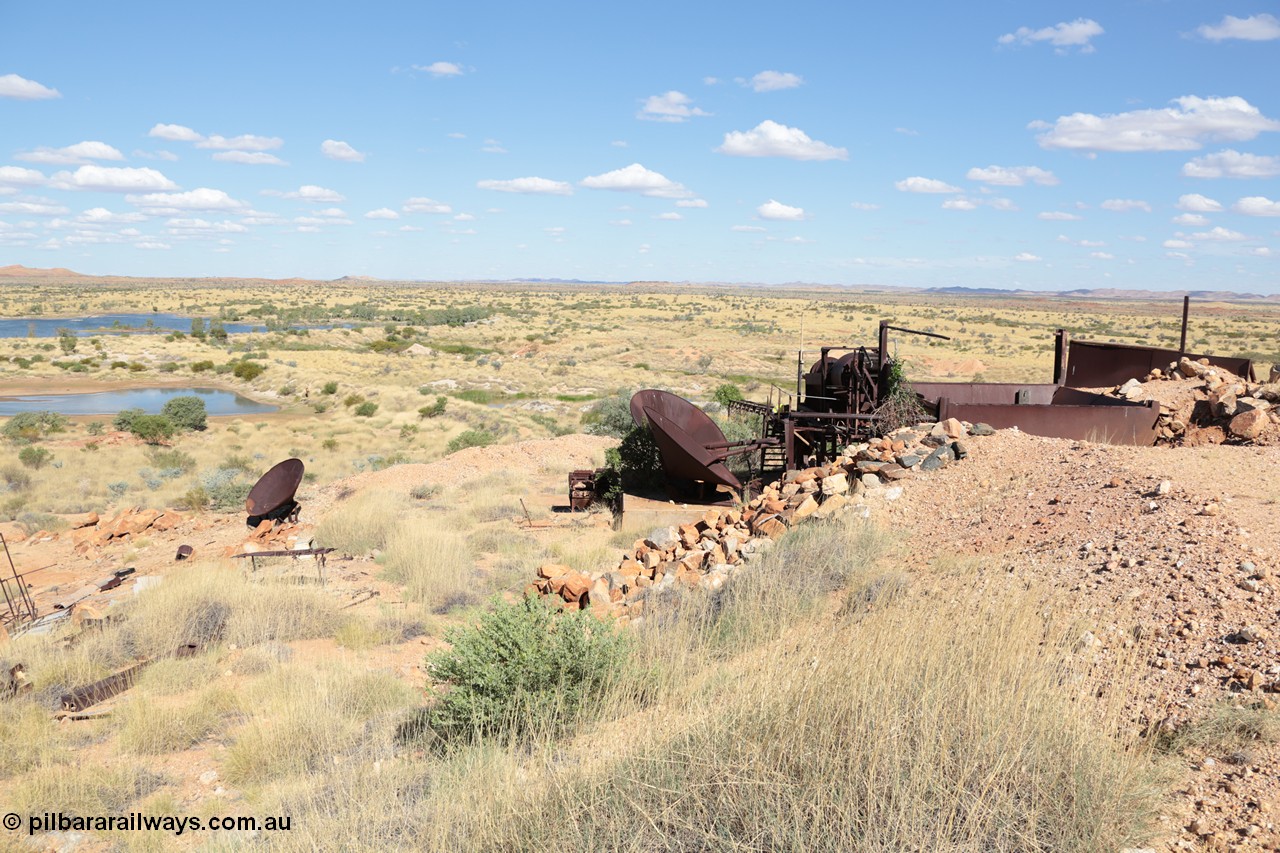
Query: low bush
(153, 429)
(470, 438)
(247, 370)
(34, 457)
(366, 410)
(187, 412)
(30, 426)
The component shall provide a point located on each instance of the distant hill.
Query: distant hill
(19, 271)
(1113, 293)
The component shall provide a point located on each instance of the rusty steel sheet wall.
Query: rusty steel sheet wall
(1092, 364)
(1107, 424)
(985, 393)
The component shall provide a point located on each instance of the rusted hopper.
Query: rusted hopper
(272, 496)
(1093, 364)
(1048, 410)
(693, 448)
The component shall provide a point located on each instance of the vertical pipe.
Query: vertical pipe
(1059, 358)
(1186, 308)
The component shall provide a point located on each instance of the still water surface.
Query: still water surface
(150, 400)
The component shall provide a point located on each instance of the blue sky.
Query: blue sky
(1003, 144)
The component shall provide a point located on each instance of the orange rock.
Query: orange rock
(87, 519)
(552, 570)
(572, 586)
(169, 521)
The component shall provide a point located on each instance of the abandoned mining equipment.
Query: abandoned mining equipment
(271, 498)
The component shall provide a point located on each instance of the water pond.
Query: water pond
(151, 321)
(150, 400)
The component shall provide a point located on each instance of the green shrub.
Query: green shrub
(329, 388)
(434, 410)
(167, 459)
(247, 370)
(366, 410)
(195, 499)
(96, 428)
(169, 367)
(186, 412)
(124, 419)
(29, 426)
(521, 670)
(352, 400)
(34, 457)
(610, 416)
(153, 429)
(637, 460)
(470, 438)
(202, 366)
(727, 393)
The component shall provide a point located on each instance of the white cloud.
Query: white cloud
(155, 155)
(773, 81)
(175, 133)
(1254, 28)
(243, 142)
(464, 217)
(249, 158)
(203, 198)
(454, 135)
(1058, 216)
(40, 207)
(773, 209)
(493, 146)
(671, 106)
(425, 205)
(621, 223)
(313, 193)
(1064, 35)
(637, 179)
(771, 139)
(692, 202)
(1000, 204)
(337, 150)
(1102, 256)
(529, 185)
(111, 179)
(1232, 164)
(102, 216)
(748, 228)
(151, 244)
(1195, 219)
(619, 143)
(382, 213)
(906, 131)
(1196, 203)
(81, 152)
(1181, 128)
(13, 86)
(863, 205)
(670, 216)
(959, 204)
(1026, 257)
(410, 228)
(441, 69)
(1013, 176)
(17, 176)
(1261, 252)
(918, 184)
(202, 228)
(1256, 205)
(1219, 234)
(1123, 205)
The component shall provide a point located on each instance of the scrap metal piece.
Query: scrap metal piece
(184, 552)
(1093, 364)
(684, 457)
(276, 488)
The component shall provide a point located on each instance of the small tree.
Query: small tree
(727, 393)
(366, 410)
(197, 327)
(186, 412)
(610, 416)
(124, 419)
(434, 410)
(216, 331)
(67, 340)
(153, 429)
(34, 457)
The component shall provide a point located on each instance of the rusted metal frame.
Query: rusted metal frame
(21, 606)
(318, 553)
(113, 685)
(1186, 309)
(1061, 339)
(1133, 424)
(1093, 364)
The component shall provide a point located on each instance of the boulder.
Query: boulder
(835, 484)
(1248, 425)
(807, 508)
(87, 519)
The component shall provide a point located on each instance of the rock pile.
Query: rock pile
(270, 536)
(1246, 410)
(707, 551)
(89, 532)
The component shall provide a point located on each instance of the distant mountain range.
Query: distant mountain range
(17, 271)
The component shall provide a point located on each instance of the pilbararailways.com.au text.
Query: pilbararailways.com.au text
(138, 822)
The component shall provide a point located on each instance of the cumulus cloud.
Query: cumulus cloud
(918, 184)
(441, 69)
(175, 133)
(337, 150)
(1123, 205)
(202, 198)
(249, 158)
(670, 215)
(771, 139)
(1254, 28)
(692, 202)
(180, 227)
(1176, 244)
(773, 81)
(959, 204)
(863, 205)
(1232, 164)
(1013, 176)
(1102, 256)
(81, 152)
(17, 176)
(1062, 36)
(1181, 128)
(312, 193)
(670, 106)
(773, 209)
(102, 216)
(530, 185)
(1026, 257)
(493, 146)
(1257, 205)
(425, 205)
(1195, 219)
(243, 142)
(1058, 216)
(382, 213)
(35, 207)
(1219, 235)
(1196, 203)
(111, 179)
(748, 229)
(13, 86)
(637, 179)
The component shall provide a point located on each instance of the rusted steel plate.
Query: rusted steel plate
(679, 411)
(101, 691)
(1093, 364)
(684, 457)
(1105, 424)
(275, 488)
(986, 393)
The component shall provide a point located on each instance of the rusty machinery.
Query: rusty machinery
(271, 498)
